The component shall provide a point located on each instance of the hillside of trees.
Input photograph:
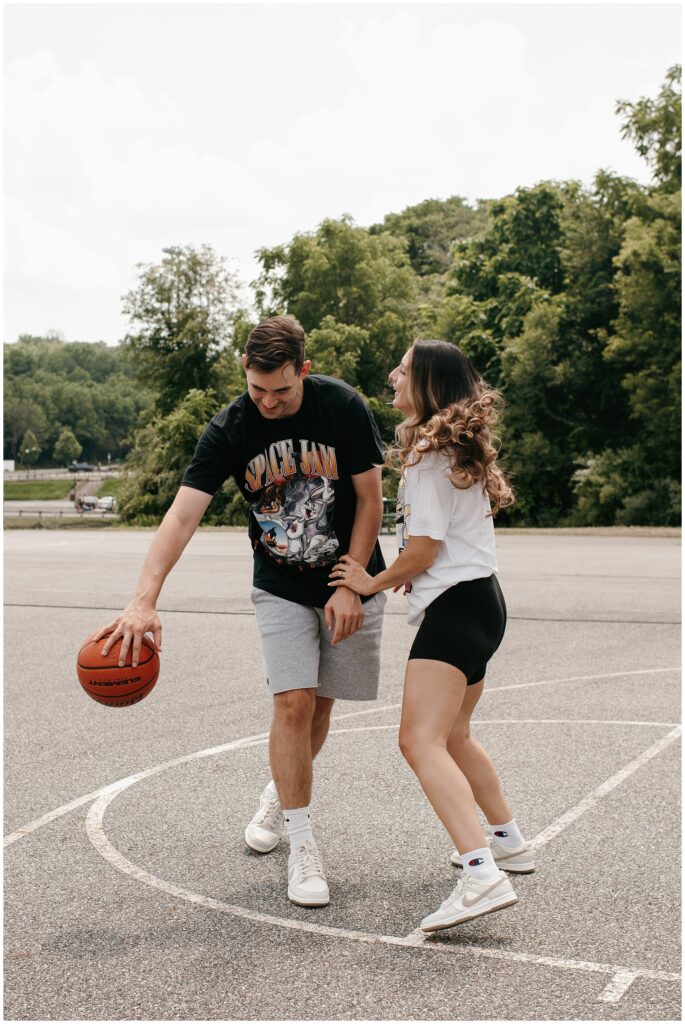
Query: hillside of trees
(69, 400)
(566, 297)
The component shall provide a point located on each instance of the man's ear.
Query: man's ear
(243, 359)
(306, 367)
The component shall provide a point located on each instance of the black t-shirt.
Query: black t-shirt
(296, 475)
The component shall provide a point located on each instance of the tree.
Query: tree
(29, 452)
(163, 448)
(67, 449)
(22, 415)
(181, 315)
(655, 127)
(86, 387)
(343, 276)
(431, 228)
(335, 349)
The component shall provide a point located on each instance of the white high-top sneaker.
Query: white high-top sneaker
(471, 898)
(307, 884)
(264, 832)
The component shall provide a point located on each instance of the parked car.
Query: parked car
(81, 467)
(88, 503)
(107, 503)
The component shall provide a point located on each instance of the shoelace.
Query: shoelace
(270, 809)
(309, 862)
(461, 887)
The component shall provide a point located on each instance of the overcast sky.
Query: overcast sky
(133, 127)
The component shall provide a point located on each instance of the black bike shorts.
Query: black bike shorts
(463, 627)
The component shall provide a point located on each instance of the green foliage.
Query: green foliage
(19, 416)
(431, 228)
(343, 277)
(51, 385)
(112, 485)
(334, 349)
(180, 316)
(162, 450)
(29, 450)
(655, 126)
(67, 449)
(646, 346)
(612, 488)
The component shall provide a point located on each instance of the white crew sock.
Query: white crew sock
(480, 864)
(298, 825)
(508, 835)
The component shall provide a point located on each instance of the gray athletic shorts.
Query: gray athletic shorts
(297, 651)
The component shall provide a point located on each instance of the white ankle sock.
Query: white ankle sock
(508, 835)
(480, 864)
(298, 826)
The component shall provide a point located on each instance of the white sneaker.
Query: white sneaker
(520, 861)
(307, 884)
(471, 898)
(264, 832)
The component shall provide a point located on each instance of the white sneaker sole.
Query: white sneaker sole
(313, 901)
(469, 915)
(258, 847)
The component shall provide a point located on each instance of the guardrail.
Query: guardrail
(39, 513)
(59, 474)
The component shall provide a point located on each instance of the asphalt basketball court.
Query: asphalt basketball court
(129, 892)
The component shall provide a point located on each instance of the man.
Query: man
(306, 454)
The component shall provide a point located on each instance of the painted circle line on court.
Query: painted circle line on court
(58, 812)
(621, 977)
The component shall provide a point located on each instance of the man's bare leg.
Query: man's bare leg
(321, 723)
(290, 746)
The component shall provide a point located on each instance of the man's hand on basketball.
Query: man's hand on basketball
(348, 573)
(136, 620)
(344, 615)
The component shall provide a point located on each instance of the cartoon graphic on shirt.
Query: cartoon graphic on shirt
(297, 505)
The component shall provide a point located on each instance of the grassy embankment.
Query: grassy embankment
(111, 486)
(37, 490)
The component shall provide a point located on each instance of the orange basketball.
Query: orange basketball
(106, 682)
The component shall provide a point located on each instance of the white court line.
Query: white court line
(617, 987)
(33, 826)
(524, 721)
(521, 686)
(102, 844)
(621, 976)
(596, 795)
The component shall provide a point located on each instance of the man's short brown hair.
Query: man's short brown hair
(275, 342)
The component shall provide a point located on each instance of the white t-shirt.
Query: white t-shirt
(429, 505)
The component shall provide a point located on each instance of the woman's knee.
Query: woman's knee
(415, 744)
(459, 737)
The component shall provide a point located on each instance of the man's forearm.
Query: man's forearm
(167, 547)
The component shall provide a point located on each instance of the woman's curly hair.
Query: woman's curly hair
(454, 411)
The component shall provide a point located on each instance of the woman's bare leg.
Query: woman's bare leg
(476, 763)
(433, 696)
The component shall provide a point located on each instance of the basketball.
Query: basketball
(117, 686)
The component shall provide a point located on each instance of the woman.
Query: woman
(451, 487)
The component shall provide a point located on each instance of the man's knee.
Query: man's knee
(295, 705)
